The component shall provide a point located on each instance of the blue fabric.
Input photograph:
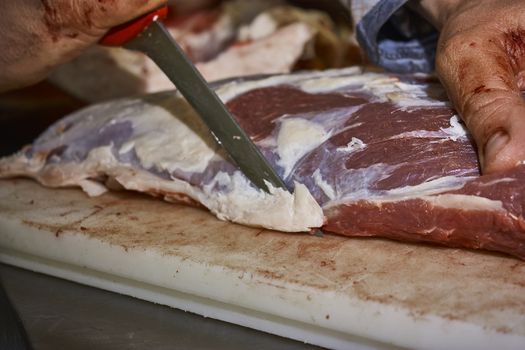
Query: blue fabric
(397, 39)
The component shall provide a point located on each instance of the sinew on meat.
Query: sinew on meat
(368, 153)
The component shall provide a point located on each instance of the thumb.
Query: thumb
(482, 86)
(505, 146)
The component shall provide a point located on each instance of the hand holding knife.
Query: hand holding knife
(148, 35)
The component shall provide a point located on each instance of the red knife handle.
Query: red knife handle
(121, 34)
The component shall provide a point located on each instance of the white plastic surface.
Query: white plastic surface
(328, 291)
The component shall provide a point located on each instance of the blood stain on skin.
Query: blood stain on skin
(88, 13)
(503, 61)
(504, 65)
(514, 44)
(54, 22)
(51, 20)
(481, 88)
(463, 69)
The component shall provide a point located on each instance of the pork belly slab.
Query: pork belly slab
(367, 153)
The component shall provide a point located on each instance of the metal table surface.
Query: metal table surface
(59, 314)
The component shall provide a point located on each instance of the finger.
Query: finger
(506, 147)
(480, 79)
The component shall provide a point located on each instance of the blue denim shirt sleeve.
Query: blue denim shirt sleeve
(397, 39)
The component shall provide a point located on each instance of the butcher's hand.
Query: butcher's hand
(37, 35)
(481, 61)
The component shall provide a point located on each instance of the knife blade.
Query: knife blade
(148, 35)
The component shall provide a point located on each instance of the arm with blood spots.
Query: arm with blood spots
(481, 61)
(38, 35)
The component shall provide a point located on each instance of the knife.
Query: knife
(148, 35)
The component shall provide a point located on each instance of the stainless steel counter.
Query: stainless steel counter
(59, 314)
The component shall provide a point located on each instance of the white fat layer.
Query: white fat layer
(262, 26)
(324, 84)
(229, 197)
(427, 188)
(92, 188)
(428, 191)
(332, 120)
(229, 91)
(280, 210)
(356, 184)
(264, 56)
(384, 87)
(464, 202)
(497, 181)
(323, 185)
(296, 138)
(410, 95)
(233, 14)
(456, 131)
(359, 187)
(170, 138)
(354, 145)
(126, 147)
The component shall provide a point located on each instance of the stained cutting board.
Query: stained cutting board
(330, 291)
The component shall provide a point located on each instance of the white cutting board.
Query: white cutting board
(331, 291)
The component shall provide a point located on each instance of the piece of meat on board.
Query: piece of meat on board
(382, 155)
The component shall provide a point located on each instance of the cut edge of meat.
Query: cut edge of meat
(472, 228)
(284, 211)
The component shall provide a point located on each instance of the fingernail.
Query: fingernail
(495, 144)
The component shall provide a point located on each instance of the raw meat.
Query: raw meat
(233, 39)
(382, 155)
(202, 34)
